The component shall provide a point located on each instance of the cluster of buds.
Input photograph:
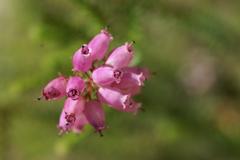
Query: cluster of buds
(97, 79)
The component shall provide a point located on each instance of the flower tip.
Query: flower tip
(100, 133)
(125, 99)
(85, 50)
(141, 78)
(130, 46)
(40, 98)
(74, 71)
(138, 107)
(107, 27)
(107, 33)
(61, 131)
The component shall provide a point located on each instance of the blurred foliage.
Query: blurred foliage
(192, 101)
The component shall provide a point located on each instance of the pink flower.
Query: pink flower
(96, 82)
(99, 44)
(106, 75)
(95, 115)
(131, 81)
(117, 100)
(82, 59)
(75, 87)
(55, 89)
(72, 118)
(121, 56)
(113, 97)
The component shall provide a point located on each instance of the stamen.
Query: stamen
(128, 103)
(117, 74)
(130, 46)
(85, 50)
(70, 118)
(74, 94)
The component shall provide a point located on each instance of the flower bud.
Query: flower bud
(72, 118)
(95, 115)
(99, 44)
(121, 56)
(106, 75)
(75, 87)
(55, 89)
(113, 97)
(82, 59)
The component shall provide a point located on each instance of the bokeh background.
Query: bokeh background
(192, 101)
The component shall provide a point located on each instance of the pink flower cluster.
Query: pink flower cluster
(98, 79)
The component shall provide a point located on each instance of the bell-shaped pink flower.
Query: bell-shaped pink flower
(82, 59)
(117, 100)
(95, 115)
(113, 97)
(121, 56)
(75, 87)
(55, 89)
(106, 75)
(131, 82)
(72, 117)
(99, 44)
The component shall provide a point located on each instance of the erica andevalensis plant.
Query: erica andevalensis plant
(96, 82)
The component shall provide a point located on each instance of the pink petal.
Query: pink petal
(99, 44)
(55, 89)
(121, 56)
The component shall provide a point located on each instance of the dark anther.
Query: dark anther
(73, 93)
(100, 133)
(70, 118)
(117, 74)
(85, 50)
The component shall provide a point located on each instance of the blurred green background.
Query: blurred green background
(192, 101)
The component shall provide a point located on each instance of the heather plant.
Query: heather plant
(98, 78)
